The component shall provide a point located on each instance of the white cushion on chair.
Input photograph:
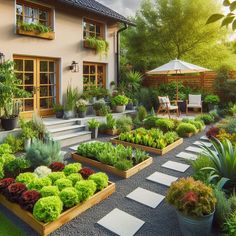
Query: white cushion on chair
(195, 100)
(194, 105)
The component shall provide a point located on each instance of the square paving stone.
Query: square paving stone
(199, 143)
(161, 178)
(146, 197)
(204, 138)
(187, 156)
(176, 166)
(194, 149)
(121, 223)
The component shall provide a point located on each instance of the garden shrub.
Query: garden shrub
(28, 199)
(5, 148)
(86, 189)
(57, 166)
(14, 191)
(197, 123)
(15, 143)
(124, 124)
(43, 154)
(72, 168)
(6, 158)
(170, 137)
(206, 118)
(4, 183)
(142, 113)
(101, 180)
(69, 197)
(1, 171)
(212, 132)
(150, 122)
(123, 165)
(185, 128)
(86, 172)
(165, 124)
(42, 171)
(48, 209)
(26, 177)
(75, 177)
(63, 183)
(48, 191)
(54, 176)
(229, 125)
(39, 183)
(230, 224)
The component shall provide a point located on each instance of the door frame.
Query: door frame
(36, 96)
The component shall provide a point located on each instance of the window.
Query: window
(32, 13)
(94, 75)
(93, 29)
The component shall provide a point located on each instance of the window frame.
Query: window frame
(49, 10)
(96, 74)
(96, 23)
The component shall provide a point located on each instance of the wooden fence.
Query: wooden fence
(203, 81)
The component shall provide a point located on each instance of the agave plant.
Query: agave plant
(223, 158)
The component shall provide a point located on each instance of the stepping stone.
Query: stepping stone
(204, 138)
(199, 143)
(74, 148)
(197, 150)
(146, 197)
(121, 223)
(176, 166)
(63, 153)
(187, 156)
(161, 178)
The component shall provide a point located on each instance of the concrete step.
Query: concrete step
(53, 123)
(73, 138)
(59, 131)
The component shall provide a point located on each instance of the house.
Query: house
(46, 39)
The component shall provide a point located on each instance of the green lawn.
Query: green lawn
(7, 228)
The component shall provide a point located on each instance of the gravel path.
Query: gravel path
(160, 221)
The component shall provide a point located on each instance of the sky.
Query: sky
(124, 7)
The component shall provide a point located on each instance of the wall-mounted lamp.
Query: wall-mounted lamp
(74, 67)
(2, 58)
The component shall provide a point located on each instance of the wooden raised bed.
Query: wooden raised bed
(109, 131)
(111, 169)
(45, 229)
(146, 148)
(48, 35)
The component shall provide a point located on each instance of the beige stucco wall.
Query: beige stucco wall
(67, 45)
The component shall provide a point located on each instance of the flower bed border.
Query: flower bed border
(111, 169)
(148, 149)
(45, 229)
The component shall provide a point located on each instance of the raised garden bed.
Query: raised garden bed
(48, 35)
(107, 168)
(149, 149)
(46, 228)
(109, 131)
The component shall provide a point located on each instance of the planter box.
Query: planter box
(107, 168)
(45, 229)
(86, 45)
(109, 131)
(48, 35)
(146, 148)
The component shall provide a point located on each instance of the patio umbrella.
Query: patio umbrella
(177, 67)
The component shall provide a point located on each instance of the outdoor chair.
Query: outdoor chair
(195, 102)
(166, 106)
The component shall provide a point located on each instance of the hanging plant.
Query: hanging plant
(34, 27)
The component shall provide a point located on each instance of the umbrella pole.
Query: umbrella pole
(177, 87)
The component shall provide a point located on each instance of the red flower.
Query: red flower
(4, 183)
(57, 166)
(14, 191)
(86, 172)
(28, 199)
(212, 132)
(191, 197)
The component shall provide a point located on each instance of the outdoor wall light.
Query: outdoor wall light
(2, 58)
(74, 67)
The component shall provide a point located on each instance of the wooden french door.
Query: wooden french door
(39, 77)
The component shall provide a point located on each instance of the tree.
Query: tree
(228, 19)
(169, 29)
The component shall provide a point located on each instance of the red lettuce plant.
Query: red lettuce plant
(86, 172)
(212, 132)
(28, 199)
(57, 166)
(4, 183)
(14, 191)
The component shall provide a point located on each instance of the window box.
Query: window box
(86, 45)
(48, 35)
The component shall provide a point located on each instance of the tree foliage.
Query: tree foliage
(169, 29)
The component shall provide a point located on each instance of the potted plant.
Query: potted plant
(119, 102)
(195, 205)
(93, 127)
(71, 97)
(59, 110)
(212, 101)
(182, 102)
(98, 105)
(82, 107)
(130, 105)
(9, 91)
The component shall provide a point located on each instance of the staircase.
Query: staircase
(67, 132)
